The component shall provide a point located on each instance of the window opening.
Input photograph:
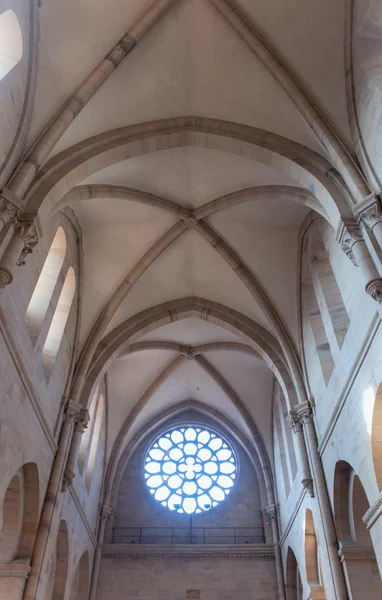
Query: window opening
(190, 469)
(11, 42)
(95, 441)
(57, 327)
(46, 284)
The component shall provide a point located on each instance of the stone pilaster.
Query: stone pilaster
(306, 477)
(106, 513)
(51, 503)
(305, 416)
(350, 236)
(271, 514)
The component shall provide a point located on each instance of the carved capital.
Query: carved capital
(81, 420)
(270, 512)
(307, 484)
(72, 411)
(370, 210)
(67, 480)
(30, 232)
(9, 206)
(374, 289)
(294, 422)
(304, 412)
(106, 512)
(348, 234)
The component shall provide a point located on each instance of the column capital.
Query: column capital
(28, 228)
(72, 411)
(271, 512)
(349, 233)
(369, 210)
(307, 484)
(106, 512)
(10, 206)
(374, 289)
(294, 421)
(81, 420)
(304, 412)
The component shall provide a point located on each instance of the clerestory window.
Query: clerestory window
(11, 42)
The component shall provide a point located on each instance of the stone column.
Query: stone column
(370, 211)
(24, 239)
(306, 476)
(304, 412)
(105, 514)
(271, 515)
(13, 576)
(51, 500)
(350, 237)
(81, 423)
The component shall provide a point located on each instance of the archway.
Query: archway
(20, 515)
(356, 547)
(312, 563)
(293, 577)
(80, 583)
(61, 563)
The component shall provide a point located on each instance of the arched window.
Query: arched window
(57, 326)
(46, 284)
(284, 439)
(312, 564)
(86, 438)
(11, 42)
(60, 567)
(293, 578)
(350, 506)
(95, 440)
(20, 511)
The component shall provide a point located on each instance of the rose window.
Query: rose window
(190, 469)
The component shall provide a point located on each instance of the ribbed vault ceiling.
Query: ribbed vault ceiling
(191, 62)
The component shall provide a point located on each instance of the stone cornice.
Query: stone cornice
(374, 513)
(133, 551)
(356, 553)
(15, 569)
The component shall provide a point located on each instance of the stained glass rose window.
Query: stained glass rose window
(190, 469)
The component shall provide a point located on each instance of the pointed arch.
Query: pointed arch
(20, 513)
(61, 563)
(310, 170)
(293, 577)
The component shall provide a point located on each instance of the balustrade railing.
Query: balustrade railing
(184, 535)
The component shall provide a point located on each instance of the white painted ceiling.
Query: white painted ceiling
(190, 63)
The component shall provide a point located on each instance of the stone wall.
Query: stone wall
(178, 578)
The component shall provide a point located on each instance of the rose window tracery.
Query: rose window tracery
(190, 469)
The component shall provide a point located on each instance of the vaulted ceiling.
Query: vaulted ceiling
(192, 63)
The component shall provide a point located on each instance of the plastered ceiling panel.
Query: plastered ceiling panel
(191, 63)
(189, 267)
(189, 176)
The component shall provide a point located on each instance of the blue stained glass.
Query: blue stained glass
(195, 468)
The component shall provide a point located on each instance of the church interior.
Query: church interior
(190, 299)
